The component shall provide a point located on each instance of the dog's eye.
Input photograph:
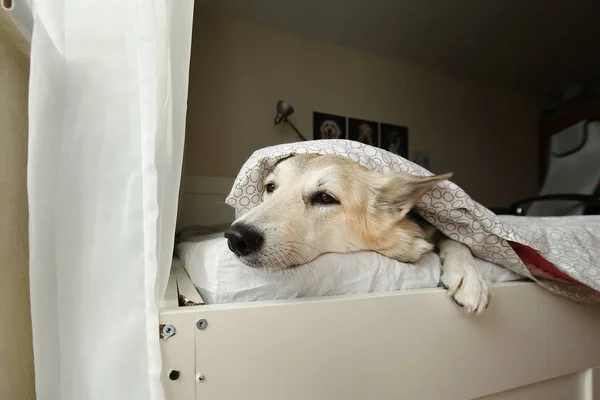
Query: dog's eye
(270, 187)
(324, 198)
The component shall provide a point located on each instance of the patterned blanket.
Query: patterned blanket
(560, 253)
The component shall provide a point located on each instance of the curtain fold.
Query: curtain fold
(107, 104)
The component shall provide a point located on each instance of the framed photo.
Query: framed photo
(394, 138)
(363, 131)
(328, 126)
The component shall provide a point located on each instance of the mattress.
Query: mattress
(221, 278)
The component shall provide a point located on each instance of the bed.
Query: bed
(412, 344)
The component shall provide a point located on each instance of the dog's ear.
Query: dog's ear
(398, 193)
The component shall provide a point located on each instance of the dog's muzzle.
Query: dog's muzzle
(243, 239)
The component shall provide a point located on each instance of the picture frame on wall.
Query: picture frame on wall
(364, 131)
(394, 138)
(328, 126)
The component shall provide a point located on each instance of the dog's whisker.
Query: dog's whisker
(354, 255)
(309, 264)
(303, 244)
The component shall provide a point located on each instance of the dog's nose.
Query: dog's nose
(243, 239)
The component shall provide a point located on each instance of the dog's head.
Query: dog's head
(365, 134)
(316, 204)
(330, 130)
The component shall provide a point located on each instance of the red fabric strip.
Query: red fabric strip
(531, 257)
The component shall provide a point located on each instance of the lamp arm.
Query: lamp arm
(295, 129)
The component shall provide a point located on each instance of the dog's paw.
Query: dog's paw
(468, 287)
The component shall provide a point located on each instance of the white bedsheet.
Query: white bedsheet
(221, 278)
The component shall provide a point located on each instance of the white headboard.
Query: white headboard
(202, 201)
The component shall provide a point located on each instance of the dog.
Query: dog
(316, 204)
(330, 130)
(394, 146)
(365, 134)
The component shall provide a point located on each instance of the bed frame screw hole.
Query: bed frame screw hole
(168, 331)
(201, 324)
(174, 375)
(200, 378)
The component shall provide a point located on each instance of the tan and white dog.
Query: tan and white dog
(330, 130)
(316, 204)
(365, 134)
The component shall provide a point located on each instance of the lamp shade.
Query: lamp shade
(284, 110)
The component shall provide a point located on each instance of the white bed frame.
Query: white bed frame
(529, 344)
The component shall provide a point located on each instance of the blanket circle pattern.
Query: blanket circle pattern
(450, 209)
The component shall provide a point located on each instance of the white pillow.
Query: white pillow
(221, 278)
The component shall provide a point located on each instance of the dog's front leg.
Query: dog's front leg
(460, 276)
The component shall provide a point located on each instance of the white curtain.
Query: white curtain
(108, 93)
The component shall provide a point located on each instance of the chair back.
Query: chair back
(574, 168)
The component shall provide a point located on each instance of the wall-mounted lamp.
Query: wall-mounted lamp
(284, 110)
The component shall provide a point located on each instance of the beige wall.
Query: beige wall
(16, 357)
(239, 70)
